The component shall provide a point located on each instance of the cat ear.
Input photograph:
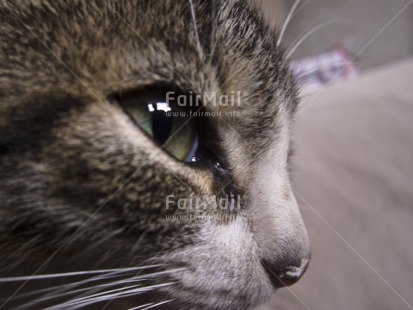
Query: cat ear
(273, 11)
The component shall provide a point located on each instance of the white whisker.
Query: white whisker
(109, 295)
(213, 32)
(287, 21)
(64, 288)
(199, 47)
(158, 304)
(142, 306)
(309, 33)
(55, 294)
(106, 294)
(72, 274)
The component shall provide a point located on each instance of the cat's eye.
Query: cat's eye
(168, 124)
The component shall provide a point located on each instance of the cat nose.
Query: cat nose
(282, 274)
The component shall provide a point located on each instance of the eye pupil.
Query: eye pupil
(161, 124)
(162, 119)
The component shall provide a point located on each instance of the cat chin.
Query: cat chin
(197, 299)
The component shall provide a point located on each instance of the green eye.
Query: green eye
(170, 126)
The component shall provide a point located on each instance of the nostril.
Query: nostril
(285, 276)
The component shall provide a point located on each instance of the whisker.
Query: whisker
(287, 21)
(65, 287)
(93, 298)
(213, 32)
(84, 300)
(158, 304)
(309, 33)
(108, 295)
(199, 47)
(141, 306)
(72, 274)
(96, 288)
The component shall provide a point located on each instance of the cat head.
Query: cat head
(97, 172)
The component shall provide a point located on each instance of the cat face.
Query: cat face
(196, 208)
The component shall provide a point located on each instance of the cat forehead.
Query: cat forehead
(96, 48)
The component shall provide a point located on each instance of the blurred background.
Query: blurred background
(352, 172)
(377, 31)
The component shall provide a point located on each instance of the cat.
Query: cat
(109, 200)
